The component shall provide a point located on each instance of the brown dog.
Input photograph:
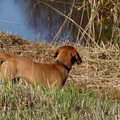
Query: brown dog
(52, 73)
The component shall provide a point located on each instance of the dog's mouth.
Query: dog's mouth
(79, 61)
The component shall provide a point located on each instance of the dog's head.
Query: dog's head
(68, 52)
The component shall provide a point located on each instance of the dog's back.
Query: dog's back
(4, 56)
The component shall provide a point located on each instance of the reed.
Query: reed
(103, 22)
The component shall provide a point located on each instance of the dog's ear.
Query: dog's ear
(77, 57)
(56, 53)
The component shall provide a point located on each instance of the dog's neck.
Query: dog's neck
(66, 67)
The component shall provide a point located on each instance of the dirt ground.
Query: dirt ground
(99, 71)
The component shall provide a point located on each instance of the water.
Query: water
(42, 23)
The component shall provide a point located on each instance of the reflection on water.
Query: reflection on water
(42, 21)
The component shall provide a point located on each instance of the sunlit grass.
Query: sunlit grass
(22, 101)
(91, 90)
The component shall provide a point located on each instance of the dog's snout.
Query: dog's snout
(79, 61)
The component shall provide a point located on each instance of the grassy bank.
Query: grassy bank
(92, 90)
(22, 101)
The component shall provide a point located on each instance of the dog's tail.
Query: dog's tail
(4, 56)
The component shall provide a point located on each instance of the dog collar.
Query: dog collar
(63, 65)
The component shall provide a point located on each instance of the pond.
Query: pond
(40, 22)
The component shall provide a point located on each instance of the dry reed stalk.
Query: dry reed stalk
(78, 26)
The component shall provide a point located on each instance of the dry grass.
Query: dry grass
(97, 80)
(22, 101)
(100, 70)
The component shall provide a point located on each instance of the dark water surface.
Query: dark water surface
(18, 17)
